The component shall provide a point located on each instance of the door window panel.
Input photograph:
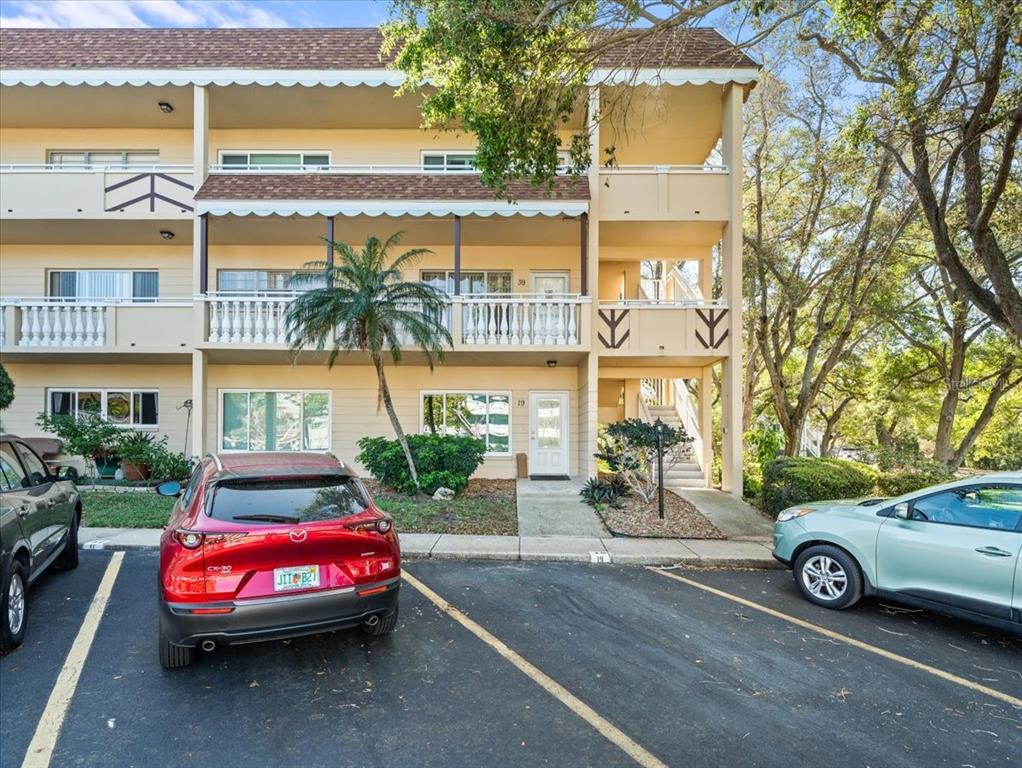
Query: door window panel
(292, 160)
(115, 158)
(34, 467)
(994, 507)
(12, 467)
(472, 281)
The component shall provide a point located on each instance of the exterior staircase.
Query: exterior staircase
(686, 473)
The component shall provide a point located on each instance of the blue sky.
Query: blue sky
(192, 13)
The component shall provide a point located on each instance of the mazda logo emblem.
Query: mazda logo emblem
(298, 535)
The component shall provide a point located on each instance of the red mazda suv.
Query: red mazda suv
(264, 546)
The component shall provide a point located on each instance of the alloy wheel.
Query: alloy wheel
(824, 577)
(15, 604)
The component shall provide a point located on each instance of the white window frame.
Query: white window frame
(563, 160)
(132, 299)
(246, 391)
(103, 391)
(123, 152)
(274, 151)
(501, 392)
(449, 276)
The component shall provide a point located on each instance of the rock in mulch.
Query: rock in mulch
(681, 519)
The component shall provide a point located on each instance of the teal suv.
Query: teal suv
(953, 548)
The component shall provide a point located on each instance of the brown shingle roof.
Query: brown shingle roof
(341, 186)
(317, 49)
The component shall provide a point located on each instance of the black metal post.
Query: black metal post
(660, 465)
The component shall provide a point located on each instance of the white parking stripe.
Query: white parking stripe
(831, 634)
(603, 726)
(45, 739)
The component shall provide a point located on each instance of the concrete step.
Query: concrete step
(685, 482)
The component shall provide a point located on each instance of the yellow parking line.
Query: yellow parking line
(45, 739)
(829, 633)
(603, 726)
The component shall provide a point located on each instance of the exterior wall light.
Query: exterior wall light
(551, 363)
(165, 106)
(166, 234)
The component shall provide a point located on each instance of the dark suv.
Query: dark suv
(39, 517)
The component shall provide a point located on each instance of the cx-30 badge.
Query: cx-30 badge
(298, 535)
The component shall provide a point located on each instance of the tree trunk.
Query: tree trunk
(389, 405)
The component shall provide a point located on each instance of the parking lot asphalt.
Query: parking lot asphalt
(690, 676)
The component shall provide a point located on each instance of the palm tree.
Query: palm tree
(361, 303)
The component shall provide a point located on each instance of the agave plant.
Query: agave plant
(361, 303)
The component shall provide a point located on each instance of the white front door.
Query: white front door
(548, 433)
(550, 282)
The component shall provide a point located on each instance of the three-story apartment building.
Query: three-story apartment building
(160, 188)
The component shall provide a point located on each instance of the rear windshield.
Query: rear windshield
(292, 501)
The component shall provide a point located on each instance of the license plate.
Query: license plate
(296, 577)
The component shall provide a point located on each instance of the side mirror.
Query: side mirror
(902, 511)
(67, 473)
(169, 488)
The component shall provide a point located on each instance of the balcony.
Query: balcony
(476, 322)
(664, 193)
(96, 192)
(39, 325)
(645, 328)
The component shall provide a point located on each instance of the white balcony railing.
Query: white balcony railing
(123, 191)
(48, 322)
(521, 319)
(353, 168)
(503, 320)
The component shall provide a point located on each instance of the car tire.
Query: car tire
(828, 576)
(385, 626)
(68, 559)
(174, 656)
(13, 624)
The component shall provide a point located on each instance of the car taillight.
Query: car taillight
(195, 539)
(381, 525)
(188, 539)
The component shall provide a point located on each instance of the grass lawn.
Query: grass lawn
(105, 509)
(486, 507)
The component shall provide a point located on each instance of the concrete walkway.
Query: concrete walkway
(554, 508)
(589, 549)
(736, 518)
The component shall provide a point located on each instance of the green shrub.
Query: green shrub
(442, 461)
(89, 435)
(6, 388)
(905, 480)
(629, 450)
(611, 491)
(790, 481)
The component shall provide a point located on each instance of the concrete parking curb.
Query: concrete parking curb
(434, 546)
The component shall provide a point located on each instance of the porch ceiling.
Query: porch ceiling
(66, 106)
(101, 231)
(427, 231)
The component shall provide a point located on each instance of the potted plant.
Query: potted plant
(135, 450)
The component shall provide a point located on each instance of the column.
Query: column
(633, 390)
(589, 286)
(329, 241)
(457, 255)
(199, 405)
(731, 271)
(706, 423)
(200, 224)
(706, 277)
(583, 240)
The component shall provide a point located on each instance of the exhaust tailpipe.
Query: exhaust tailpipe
(372, 621)
(207, 645)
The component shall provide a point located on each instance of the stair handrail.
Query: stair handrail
(689, 417)
(683, 289)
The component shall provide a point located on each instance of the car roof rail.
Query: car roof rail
(216, 460)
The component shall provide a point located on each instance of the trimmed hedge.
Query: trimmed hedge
(442, 461)
(790, 481)
(898, 482)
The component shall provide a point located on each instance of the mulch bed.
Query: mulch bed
(637, 520)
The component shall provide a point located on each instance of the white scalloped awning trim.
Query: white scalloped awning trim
(391, 208)
(285, 77)
(331, 78)
(675, 76)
